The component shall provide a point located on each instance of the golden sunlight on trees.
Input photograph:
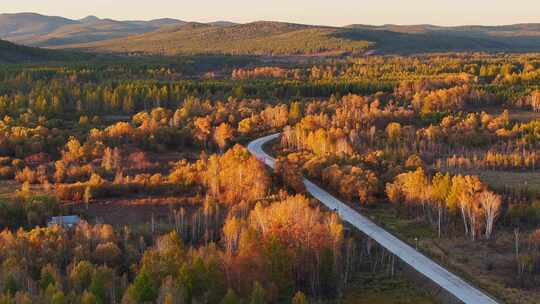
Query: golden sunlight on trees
(222, 134)
(478, 207)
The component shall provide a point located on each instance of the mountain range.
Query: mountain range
(173, 37)
(46, 31)
(278, 38)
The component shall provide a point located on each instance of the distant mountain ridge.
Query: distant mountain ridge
(89, 19)
(168, 36)
(46, 31)
(25, 26)
(527, 29)
(432, 38)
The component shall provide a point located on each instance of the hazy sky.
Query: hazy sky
(329, 12)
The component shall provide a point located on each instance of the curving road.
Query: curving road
(442, 277)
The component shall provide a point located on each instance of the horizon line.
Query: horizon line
(274, 20)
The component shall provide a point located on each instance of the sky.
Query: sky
(327, 12)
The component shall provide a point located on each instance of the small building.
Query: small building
(67, 221)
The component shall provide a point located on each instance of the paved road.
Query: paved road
(442, 277)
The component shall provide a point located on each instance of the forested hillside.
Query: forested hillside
(274, 38)
(259, 38)
(12, 53)
(168, 36)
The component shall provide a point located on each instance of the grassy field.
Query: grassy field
(500, 180)
(383, 290)
(9, 188)
(513, 114)
(488, 264)
(407, 228)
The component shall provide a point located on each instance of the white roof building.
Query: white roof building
(67, 221)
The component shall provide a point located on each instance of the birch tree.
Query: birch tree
(491, 204)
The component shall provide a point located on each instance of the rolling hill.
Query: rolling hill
(45, 31)
(525, 29)
(430, 38)
(91, 31)
(25, 26)
(13, 53)
(257, 38)
(174, 37)
(276, 38)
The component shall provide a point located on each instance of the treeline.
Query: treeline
(266, 72)
(493, 160)
(232, 177)
(69, 94)
(439, 198)
(358, 182)
(439, 81)
(27, 211)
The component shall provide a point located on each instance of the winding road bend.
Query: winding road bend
(442, 277)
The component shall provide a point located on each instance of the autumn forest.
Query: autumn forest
(148, 153)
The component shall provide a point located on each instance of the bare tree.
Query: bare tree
(463, 205)
(491, 203)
